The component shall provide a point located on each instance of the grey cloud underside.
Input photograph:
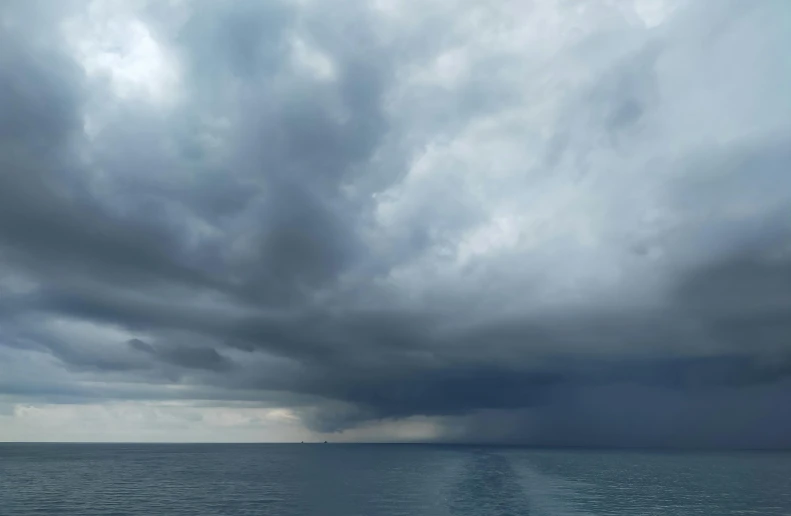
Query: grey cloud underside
(247, 273)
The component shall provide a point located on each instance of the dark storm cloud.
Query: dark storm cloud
(634, 415)
(192, 358)
(50, 223)
(302, 225)
(728, 387)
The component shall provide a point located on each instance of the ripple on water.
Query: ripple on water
(291, 480)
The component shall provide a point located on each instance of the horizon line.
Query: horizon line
(416, 443)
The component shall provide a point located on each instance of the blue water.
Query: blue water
(378, 480)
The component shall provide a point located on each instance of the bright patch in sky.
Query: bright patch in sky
(120, 48)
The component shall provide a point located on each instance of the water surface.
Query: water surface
(380, 480)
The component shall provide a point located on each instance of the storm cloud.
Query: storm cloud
(549, 222)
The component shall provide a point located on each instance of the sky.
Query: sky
(546, 222)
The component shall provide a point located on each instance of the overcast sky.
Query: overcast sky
(553, 222)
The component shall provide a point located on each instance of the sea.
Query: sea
(384, 480)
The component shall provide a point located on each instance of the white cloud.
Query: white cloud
(312, 60)
(110, 42)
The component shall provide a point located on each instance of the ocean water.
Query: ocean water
(379, 480)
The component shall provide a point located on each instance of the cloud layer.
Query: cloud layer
(547, 222)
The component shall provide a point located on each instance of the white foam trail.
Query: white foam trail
(549, 495)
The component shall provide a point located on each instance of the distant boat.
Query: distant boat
(325, 442)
